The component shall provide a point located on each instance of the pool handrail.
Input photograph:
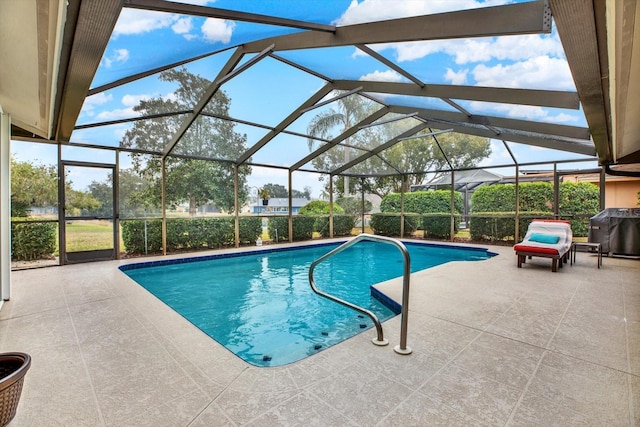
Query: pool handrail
(379, 340)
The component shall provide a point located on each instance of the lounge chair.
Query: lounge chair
(547, 239)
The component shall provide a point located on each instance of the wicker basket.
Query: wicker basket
(13, 368)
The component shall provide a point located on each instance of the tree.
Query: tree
(103, 193)
(320, 207)
(133, 197)
(418, 156)
(80, 202)
(280, 191)
(189, 178)
(32, 185)
(346, 113)
(353, 205)
(411, 158)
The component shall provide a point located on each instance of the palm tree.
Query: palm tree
(343, 115)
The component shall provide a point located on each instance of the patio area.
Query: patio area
(492, 345)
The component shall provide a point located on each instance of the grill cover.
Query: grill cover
(617, 229)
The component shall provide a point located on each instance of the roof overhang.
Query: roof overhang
(602, 45)
(31, 62)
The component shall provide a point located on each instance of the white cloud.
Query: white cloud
(182, 26)
(382, 76)
(456, 77)
(119, 113)
(217, 30)
(464, 51)
(129, 101)
(197, 2)
(119, 55)
(134, 21)
(91, 102)
(539, 72)
(379, 10)
(499, 154)
(522, 112)
(133, 100)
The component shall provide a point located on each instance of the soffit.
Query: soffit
(30, 43)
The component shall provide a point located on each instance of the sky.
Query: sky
(269, 90)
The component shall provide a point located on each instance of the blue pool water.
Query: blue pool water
(260, 305)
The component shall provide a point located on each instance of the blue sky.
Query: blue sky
(269, 91)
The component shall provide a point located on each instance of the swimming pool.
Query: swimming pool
(260, 306)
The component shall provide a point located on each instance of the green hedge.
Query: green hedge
(439, 225)
(423, 202)
(133, 235)
(32, 240)
(319, 207)
(578, 202)
(437, 204)
(342, 225)
(303, 226)
(579, 198)
(388, 224)
(496, 226)
(184, 234)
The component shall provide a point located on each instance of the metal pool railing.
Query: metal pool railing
(379, 340)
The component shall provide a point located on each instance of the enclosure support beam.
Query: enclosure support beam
(290, 213)
(204, 100)
(452, 229)
(517, 230)
(62, 224)
(236, 206)
(116, 206)
(362, 205)
(163, 195)
(5, 207)
(556, 192)
(402, 185)
(522, 18)
(603, 177)
(330, 205)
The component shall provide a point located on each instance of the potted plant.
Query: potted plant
(264, 194)
(13, 368)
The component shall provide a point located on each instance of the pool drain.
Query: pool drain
(266, 358)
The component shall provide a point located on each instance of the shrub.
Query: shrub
(250, 228)
(32, 240)
(423, 202)
(197, 233)
(494, 226)
(579, 198)
(342, 225)
(353, 205)
(435, 203)
(319, 207)
(302, 227)
(438, 225)
(536, 201)
(133, 233)
(388, 224)
(278, 227)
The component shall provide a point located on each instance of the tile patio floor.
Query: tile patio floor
(492, 345)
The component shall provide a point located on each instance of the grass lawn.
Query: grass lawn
(90, 235)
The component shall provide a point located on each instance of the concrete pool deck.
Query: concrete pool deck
(492, 345)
